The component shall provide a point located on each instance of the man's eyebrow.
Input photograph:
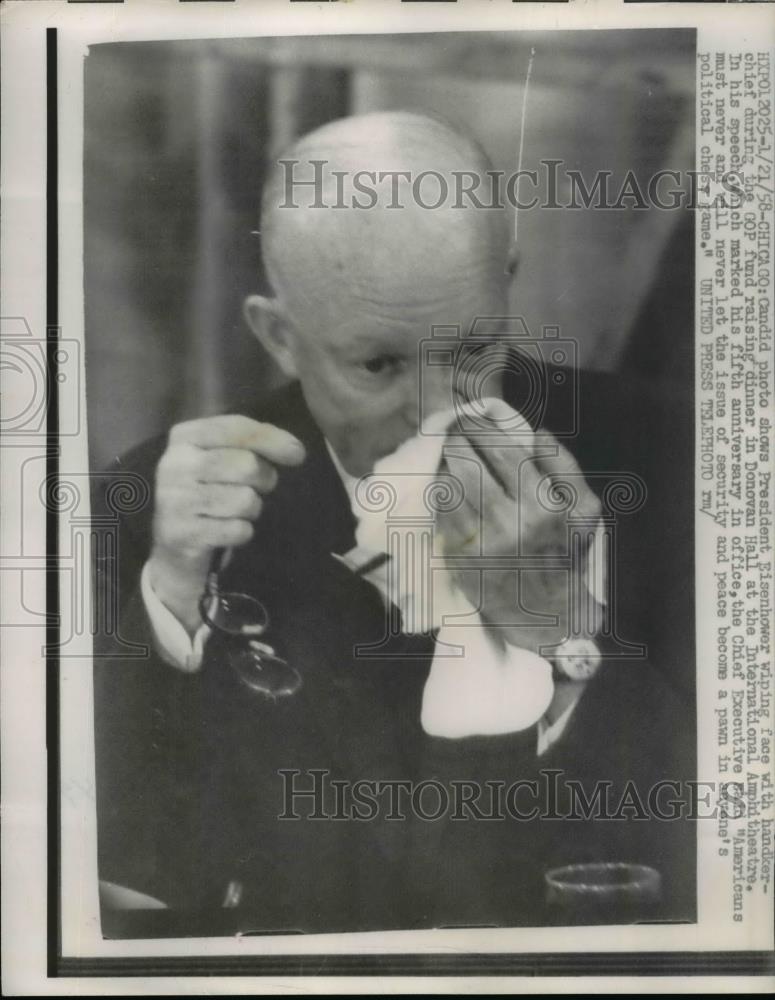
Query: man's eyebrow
(370, 344)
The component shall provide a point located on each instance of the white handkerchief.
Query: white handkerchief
(486, 689)
(395, 507)
(491, 690)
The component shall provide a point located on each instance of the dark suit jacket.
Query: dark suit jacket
(189, 787)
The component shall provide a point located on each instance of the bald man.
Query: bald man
(356, 293)
(194, 769)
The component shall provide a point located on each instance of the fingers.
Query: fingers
(233, 431)
(461, 531)
(507, 488)
(211, 483)
(466, 467)
(219, 500)
(184, 462)
(562, 467)
(508, 461)
(186, 501)
(217, 533)
(488, 470)
(192, 537)
(522, 523)
(232, 466)
(517, 468)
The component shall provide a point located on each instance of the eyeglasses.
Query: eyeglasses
(237, 621)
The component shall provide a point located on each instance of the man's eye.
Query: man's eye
(381, 364)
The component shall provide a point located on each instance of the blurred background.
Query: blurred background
(177, 136)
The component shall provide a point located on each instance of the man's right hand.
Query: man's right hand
(210, 484)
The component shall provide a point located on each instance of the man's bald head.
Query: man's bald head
(384, 245)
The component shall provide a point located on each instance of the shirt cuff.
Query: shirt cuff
(172, 641)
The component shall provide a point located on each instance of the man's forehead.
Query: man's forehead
(392, 252)
(389, 335)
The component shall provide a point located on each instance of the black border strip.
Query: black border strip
(747, 963)
(52, 518)
(698, 963)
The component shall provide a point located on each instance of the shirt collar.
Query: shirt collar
(349, 482)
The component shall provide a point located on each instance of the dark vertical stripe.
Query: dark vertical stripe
(52, 526)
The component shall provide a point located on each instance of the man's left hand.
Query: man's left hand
(515, 509)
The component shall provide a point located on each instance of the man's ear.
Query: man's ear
(266, 319)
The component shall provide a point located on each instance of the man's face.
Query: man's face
(363, 376)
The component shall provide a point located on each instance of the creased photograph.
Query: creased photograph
(386, 575)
